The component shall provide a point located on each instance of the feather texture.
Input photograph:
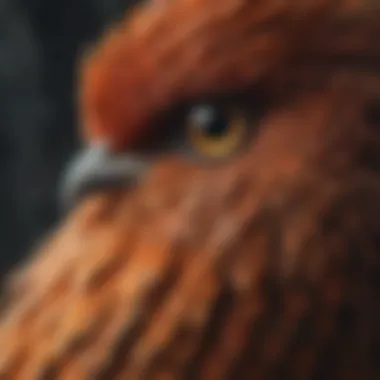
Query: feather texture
(177, 51)
(266, 267)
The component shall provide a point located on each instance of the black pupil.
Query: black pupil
(211, 121)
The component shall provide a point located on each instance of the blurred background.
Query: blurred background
(41, 42)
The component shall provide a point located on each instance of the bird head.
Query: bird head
(202, 81)
(243, 239)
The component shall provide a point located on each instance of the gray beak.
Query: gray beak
(97, 168)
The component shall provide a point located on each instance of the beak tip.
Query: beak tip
(78, 171)
(97, 167)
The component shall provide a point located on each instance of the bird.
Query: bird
(222, 220)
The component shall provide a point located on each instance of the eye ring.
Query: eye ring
(216, 133)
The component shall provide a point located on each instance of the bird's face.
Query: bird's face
(217, 165)
(224, 114)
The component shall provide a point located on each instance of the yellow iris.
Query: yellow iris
(222, 144)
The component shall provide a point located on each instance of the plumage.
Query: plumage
(264, 265)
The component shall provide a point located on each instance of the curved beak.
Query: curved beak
(96, 168)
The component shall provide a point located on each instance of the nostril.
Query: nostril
(96, 168)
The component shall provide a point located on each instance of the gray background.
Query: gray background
(40, 44)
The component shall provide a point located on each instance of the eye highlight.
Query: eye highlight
(215, 133)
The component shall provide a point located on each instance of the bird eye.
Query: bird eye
(215, 133)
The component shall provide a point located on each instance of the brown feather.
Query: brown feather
(266, 267)
(180, 50)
